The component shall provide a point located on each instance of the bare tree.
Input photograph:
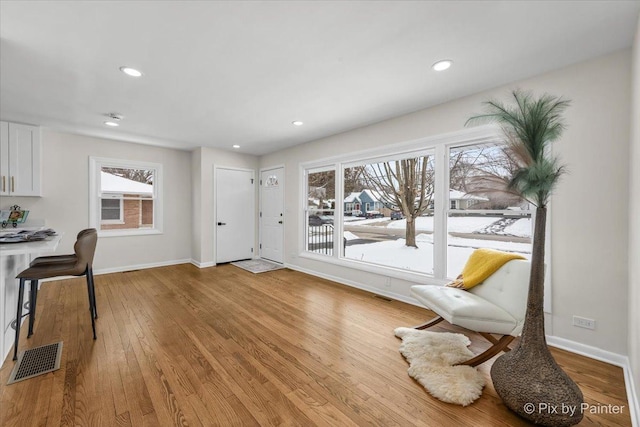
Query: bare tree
(481, 171)
(354, 180)
(321, 186)
(405, 184)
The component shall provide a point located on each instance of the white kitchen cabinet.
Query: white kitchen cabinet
(20, 163)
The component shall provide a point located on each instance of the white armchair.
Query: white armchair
(497, 306)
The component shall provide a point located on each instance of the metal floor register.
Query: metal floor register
(36, 361)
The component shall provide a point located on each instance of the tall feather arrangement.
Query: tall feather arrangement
(528, 374)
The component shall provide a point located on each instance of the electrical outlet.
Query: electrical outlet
(387, 283)
(583, 322)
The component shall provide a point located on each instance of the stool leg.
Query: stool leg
(18, 318)
(93, 292)
(33, 299)
(91, 304)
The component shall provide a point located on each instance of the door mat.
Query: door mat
(258, 265)
(36, 361)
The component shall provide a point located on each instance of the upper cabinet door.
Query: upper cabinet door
(4, 159)
(24, 160)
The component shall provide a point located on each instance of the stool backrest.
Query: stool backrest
(85, 247)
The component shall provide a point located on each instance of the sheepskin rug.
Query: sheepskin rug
(431, 356)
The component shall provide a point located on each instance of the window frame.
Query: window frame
(95, 196)
(439, 147)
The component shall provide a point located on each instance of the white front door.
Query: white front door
(235, 214)
(272, 214)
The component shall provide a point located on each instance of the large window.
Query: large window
(480, 215)
(401, 184)
(320, 209)
(125, 197)
(416, 211)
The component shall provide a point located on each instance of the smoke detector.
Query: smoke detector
(115, 116)
(114, 119)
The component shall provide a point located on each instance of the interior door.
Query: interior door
(272, 214)
(235, 214)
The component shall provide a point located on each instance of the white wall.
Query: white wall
(589, 212)
(634, 221)
(203, 161)
(65, 201)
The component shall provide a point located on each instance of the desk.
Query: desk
(15, 257)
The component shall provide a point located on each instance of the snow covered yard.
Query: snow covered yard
(394, 253)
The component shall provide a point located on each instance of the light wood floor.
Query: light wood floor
(221, 346)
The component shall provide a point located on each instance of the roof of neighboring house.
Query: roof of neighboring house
(373, 195)
(353, 197)
(459, 195)
(110, 183)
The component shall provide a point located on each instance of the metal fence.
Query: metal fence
(320, 239)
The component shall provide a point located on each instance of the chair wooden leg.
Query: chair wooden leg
(18, 318)
(496, 348)
(430, 323)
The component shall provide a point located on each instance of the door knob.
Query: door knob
(222, 223)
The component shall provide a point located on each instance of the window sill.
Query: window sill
(122, 233)
(409, 276)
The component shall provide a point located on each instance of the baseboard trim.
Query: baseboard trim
(607, 357)
(140, 266)
(353, 284)
(202, 264)
(553, 341)
(588, 351)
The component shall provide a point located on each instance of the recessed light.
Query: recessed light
(442, 65)
(236, 146)
(112, 124)
(131, 71)
(297, 123)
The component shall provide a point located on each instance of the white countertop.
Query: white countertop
(27, 248)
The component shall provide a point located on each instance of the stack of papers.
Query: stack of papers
(26, 236)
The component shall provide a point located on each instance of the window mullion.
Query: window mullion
(338, 213)
(441, 174)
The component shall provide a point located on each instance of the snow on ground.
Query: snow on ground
(457, 224)
(350, 236)
(394, 253)
(521, 228)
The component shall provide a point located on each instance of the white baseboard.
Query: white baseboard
(588, 351)
(140, 266)
(357, 285)
(607, 357)
(125, 268)
(202, 264)
(562, 343)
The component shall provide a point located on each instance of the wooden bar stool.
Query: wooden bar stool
(78, 264)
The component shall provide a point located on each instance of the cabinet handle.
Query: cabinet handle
(13, 185)
(4, 183)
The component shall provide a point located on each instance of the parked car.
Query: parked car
(396, 215)
(316, 220)
(356, 212)
(374, 214)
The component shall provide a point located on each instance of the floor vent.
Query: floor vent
(36, 361)
(383, 298)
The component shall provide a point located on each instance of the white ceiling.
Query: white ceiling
(223, 73)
